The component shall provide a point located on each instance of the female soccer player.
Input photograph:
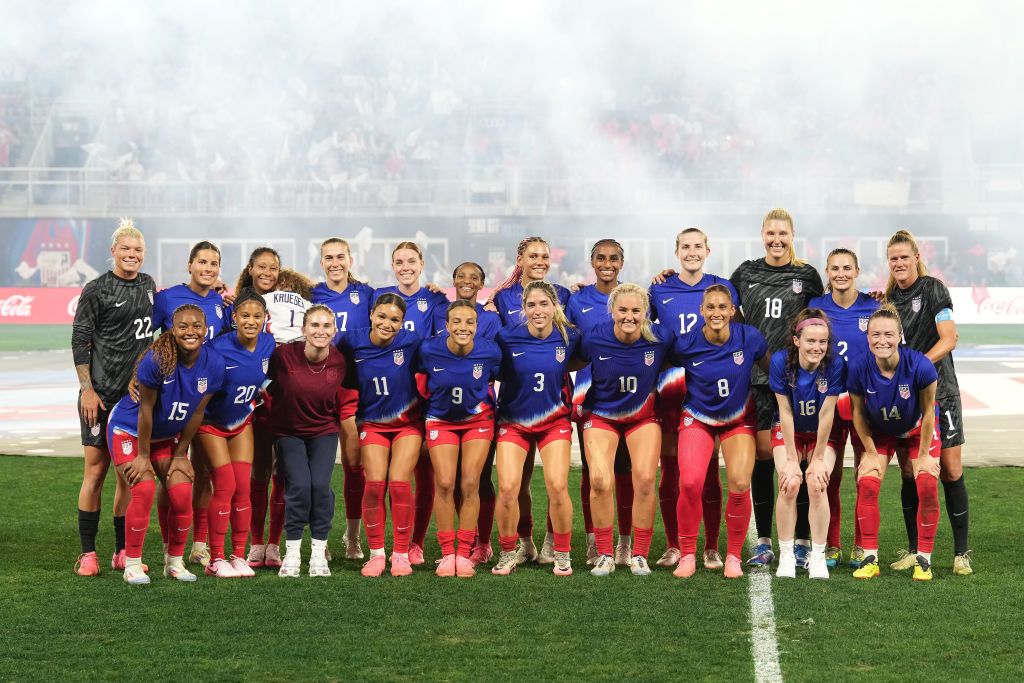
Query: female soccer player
(177, 376)
(807, 381)
(305, 377)
(588, 308)
(113, 325)
(926, 310)
(226, 435)
(894, 409)
(384, 356)
(718, 364)
(676, 304)
(772, 291)
(350, 300)
(848, 311)
(625, 356)
(460, 427)
(533, 409)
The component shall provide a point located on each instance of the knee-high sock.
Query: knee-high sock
(424, 500)
(927, 511)
(137, 516)
(401, 514)
(867, 510)
(276, 509)
(588, 519)
(200, 524)
(241, 512)
(835, 512)
(695, 449)
(118, 533)
(737, 520)
(668, 497)
(180, 518)
(465, 538)
(88, 525)
(711, 505)
(642, 541)
(803, 508)
(908, 496)
(762, 487)
(958, 510)
(445, 539)
(258, 518)
(624, 502)
(355, 482)
(603, 540)
(223, 478)
(373, 513)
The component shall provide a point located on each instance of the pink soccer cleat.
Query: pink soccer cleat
(687, 567)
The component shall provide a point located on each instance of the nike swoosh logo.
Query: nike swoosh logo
(697, 362)
(516, 355)
(735, 516)
(120, 303)
(138, 530)
(564, 431)
(515, 311)
(960, 514)
(226, 512)
(438, 369)
(241, 509)
(752, 286)
(483, 429)
(587, 309)
(230, 367)
(168, 381)
(185, 529)
(604, 357)
(372, 526)
(952, 434)
(923, 524)
(360, 360)
(872, 392)
(665, 301)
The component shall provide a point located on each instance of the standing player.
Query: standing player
(894, 411)
(533, 410)
(113, 325)
(350, 300)
(772, 291)
(848, 311)
(718, 363)
(177, 376)
(676, 304)
(460, 427)
(926, 309)
(625, 355)
(226, 435)
(384, 357)
(807, 381)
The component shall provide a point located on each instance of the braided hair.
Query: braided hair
(517, 272)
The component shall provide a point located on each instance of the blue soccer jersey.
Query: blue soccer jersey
(487, 322)
(385, 376)
(420, 308)
(892, 404)
(166, 301)
(459, 386)
(587, 308)
(509, 302)
(245, 372)
(807, 390)
(535, 384)
(351, 307)
(849, 325)
(624, 376)
(178, 395)
(718, 377)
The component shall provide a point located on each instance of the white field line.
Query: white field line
(764, 646)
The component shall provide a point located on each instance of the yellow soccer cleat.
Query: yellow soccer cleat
(922, 570)
(962, 564)
(868, 568)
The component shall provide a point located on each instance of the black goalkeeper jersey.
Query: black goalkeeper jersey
(918, 305)
(113, 326)
(771, 296)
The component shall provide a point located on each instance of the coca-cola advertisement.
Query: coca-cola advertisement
(988, 305)
(38, 305)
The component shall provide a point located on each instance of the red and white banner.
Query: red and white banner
(988, 305)
(38, 305)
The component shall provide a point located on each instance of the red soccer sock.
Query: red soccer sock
(137, 516)
(373, 514)
(163, 515)
(624, 502)
(465, 538)
(927, 511)
(200, 525)
(737, 519)
(867, 510)
(223, 478)
(711, 506)
(401, 514)
(588, 519)
(603, 540)
(563, 541)
(485, 521)
(258, 518)
(276, 509)
(668, 498)
(241, 512)
(355, 482)
(835, 513)
(642, 541)
(508, 543)
(446, 539)
(424, 499)
(180, 518)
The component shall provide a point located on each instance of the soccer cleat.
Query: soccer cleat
(856, 557)
(733, 567)
(319, 567)
(119, 560)
(175, 569)
(415, 555)
(686, 568)
(833, 556)
(257, 555)
(817, 566)
(787, 566)
(464, 567)
(400, 565)
(353, 548)
(623, 551)
(762, 557)
(375, 566)
(591, 549)
(712, 560)
(135, 575)
(801, 553)
(962, 564)
(868, 568)
(507, 563)
(669, 558)
(221, 569)
(547, 550)
(291, 567)
(200, 555)
(923, 569)
(446, 567)
(905, 561)
(89, 565)
(481, 553)
(638, 566)
(272, 556)
(604, 566)
(563, 564)
(526, 552)
(242, 567)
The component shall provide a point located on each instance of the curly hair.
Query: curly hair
(165, 348)
(793, 354)
(293, 281)
(245, 277)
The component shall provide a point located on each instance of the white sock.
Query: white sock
(198, 546)
(817, 548)
(318, 550)
(591, 539)
(402, 555)
(293, 547)
(785, 548)
(374, 552)
(764, 540)
(871, 551)
(175, 560)
(927, 556)
(133, 562)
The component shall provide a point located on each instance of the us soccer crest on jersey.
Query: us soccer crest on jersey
(201, 385)
(798, 286)
(862, 324)
(737, 357)
(478, 370)
(649, 358)
(904, 391)
(915, 304)
(823, 385)
(399, 357)
(560, 353)
(353, 297)
(266, 365)
(421, 304)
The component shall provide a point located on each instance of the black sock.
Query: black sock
(957, 509)
(118, 534)
(908, 495)
(762, 488)
(88, 524)
(803, 506)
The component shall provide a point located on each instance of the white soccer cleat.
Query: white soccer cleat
(591, 549)
(257, 555)
(670, 558)
(604, 566)
(242, 567)
(353, 548)
(200, 554)
(787, 566)
(638, 565)
(547, 550)
(135, 575)
(817, 566)
(712, 560)
(527, 551)
(291, 566)
(318, 567)
(175, 569)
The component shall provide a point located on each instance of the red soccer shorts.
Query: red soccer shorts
(747, 424)
(348, 400)
(373, 434)
(124, 448)
(559, 429)
(222, 432)
(887, 445)
(806, 441)
(442, 433)
(623, 429)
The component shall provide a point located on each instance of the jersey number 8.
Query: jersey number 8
(723, 387)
